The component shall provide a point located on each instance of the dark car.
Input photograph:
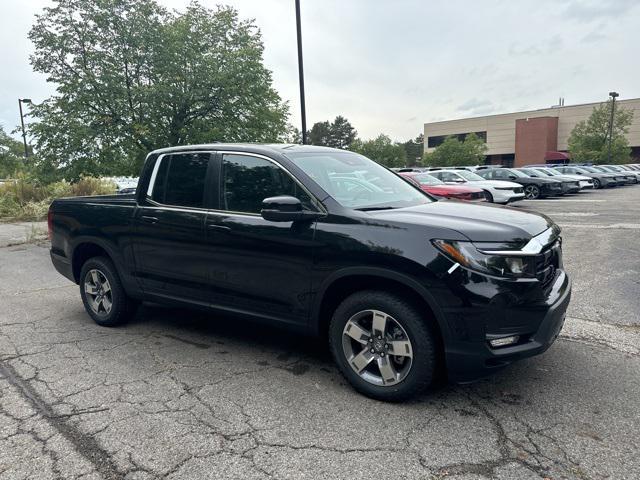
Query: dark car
(618, 178)
(627, 178)
(534, 187)
(569, 185)
(635, 176)
(403, 286)
(600, 179)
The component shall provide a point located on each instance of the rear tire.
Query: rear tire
(392, 364)
(102, 293)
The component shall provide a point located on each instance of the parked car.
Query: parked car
(400, 284)
(533, 187)
(433, 186)
(569, 185)
(600, 180)
(497, 191)
(583, 182)
(624, 171)
(618, 178)
(626, 177)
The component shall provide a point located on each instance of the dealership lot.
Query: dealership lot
(179, 394)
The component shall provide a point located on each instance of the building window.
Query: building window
(433, 142)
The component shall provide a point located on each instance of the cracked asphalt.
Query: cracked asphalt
(185, 395)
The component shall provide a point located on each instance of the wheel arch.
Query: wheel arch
(346, 282)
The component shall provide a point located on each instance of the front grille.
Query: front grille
(518, 190)
(548, 262)
(478, 196)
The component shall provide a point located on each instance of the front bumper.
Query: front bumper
(536, 315)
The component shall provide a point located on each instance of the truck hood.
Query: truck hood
(479, 223)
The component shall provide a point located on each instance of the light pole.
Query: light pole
(303, 112)
(24, 134)
(613, 96)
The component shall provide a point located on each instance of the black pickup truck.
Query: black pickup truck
(326, 241)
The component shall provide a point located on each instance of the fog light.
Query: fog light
(504, 341)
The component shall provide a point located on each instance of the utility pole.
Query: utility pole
(24, 134)
(303, 112)
(613, 96)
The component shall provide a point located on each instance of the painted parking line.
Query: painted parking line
(565, 200)
(573, 214)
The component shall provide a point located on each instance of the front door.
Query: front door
(170, 237)
(255, 265)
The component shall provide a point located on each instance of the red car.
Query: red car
(432, 185)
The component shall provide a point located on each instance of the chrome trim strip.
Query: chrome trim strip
(533, 247)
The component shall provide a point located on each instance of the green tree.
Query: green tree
(382, 150)
(414, 149)
(320, 134)
(131, 77)
(589, 139)
(337, 134)
(341, 134)
(453, 152)
(11, 155)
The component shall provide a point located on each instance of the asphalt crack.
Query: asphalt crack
(85, 445)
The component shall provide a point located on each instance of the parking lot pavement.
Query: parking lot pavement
(178, 394)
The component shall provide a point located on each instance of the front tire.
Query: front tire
(531, 192)
(102, 293)
(383, 346)
(596, 184)
(489, 196)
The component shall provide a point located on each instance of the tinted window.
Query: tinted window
(247, 181)
(180, 180)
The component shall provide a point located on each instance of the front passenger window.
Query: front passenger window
(248, 180)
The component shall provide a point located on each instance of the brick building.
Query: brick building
(521, 138)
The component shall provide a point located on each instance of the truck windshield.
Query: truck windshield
(354, 181)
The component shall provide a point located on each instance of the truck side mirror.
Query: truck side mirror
(286, 208)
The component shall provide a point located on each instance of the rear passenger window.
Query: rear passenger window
(248, 180)
(180, 180)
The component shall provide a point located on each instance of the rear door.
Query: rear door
(170, 239)
(255, 265)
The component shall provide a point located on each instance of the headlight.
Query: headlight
(467, 255)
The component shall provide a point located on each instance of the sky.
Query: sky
(389, 66)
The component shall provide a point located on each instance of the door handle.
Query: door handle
(148, 219)
(220, 228)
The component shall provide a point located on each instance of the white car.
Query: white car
(583, 181)
(499, 191)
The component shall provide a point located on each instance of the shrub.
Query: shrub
(26, 199)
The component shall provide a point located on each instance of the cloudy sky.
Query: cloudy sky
(392, 65)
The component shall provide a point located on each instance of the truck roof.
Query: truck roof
(264, 148)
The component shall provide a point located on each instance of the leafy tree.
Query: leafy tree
(382, 150)
(589, 139)
(342, 134)
(414, 149)
(293, 135)
(337, 134)
(131, 77)
(11, 155)
(320, 134)
(453, 152)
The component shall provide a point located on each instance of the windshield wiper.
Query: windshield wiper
(368, 209)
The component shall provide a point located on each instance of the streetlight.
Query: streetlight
(24, 134)
(303, 112)
(613, 96)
